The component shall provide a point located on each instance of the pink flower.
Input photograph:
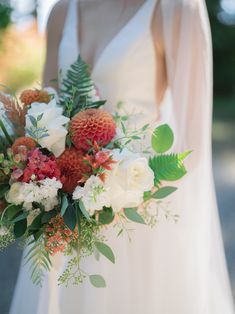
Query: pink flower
(40, 167)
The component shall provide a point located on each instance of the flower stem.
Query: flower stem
(4, 130)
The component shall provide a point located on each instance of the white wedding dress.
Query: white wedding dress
(173, 268)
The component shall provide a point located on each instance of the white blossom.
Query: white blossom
(52, 121)
(94, 195)
(43, 192)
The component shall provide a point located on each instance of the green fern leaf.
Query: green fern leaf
(40, 261)
(77, 87)
(168, 167)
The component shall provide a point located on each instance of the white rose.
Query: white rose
(53, 121)
(130, 177)
(94, 195)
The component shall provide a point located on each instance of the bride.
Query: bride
(155, 56)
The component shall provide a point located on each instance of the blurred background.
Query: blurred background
(22, 52)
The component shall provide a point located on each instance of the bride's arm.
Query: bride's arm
(186, 41)
(54, 33)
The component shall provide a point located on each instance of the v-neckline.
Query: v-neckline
(97, 60)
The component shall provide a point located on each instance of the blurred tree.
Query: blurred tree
(224, 50)
(5, 16)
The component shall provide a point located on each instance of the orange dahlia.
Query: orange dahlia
(28, 142)
(73, 168)
(90, 126)
(29, 96)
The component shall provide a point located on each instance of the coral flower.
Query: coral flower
(28, 142)
(58, 235)
(30, 96)
(73, 168)
(92, 125)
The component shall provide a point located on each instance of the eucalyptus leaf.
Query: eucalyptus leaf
(162, 139)
(106, 216)
(131, 214)
(20, 217)
(164, 192)
(97, 281)
(64, 205)
(105, 250)
(84, 211)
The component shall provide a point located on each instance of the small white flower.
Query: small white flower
(43, 192)
(32, 215)
(3, 231)
(94, 195)
(53, 122)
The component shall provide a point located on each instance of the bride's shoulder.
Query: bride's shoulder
(57, 17)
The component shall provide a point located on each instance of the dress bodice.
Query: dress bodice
(125, 70)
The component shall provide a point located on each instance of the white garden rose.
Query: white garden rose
(130, 177)
(52, 121)
(94, 195)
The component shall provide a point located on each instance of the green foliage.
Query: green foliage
(7, 238)
(77, 88)
(105, 250)
(39, 259)
(164, 192)
(97, 281)
(131, 214)
(70, 218)
(20, 228)
(168, 167)
(223, 36)
(5, 16)
(106, 216)
(162, 139)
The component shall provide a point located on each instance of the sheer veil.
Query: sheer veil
(188, 50)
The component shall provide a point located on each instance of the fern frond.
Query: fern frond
(15, 113)
(168, 167)
(40, 261)
(77, 87)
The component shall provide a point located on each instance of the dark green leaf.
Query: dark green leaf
(162, 139)
(20, 216)
(164, 192)
(106, 216)
(48, 215)
(37, 222)
(105, 250)
(12, 210)
(97, 281)
(131, 214)
(70, 217)
(20, 228)
(3, 189)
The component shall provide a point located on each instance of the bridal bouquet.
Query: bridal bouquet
(68, 170)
